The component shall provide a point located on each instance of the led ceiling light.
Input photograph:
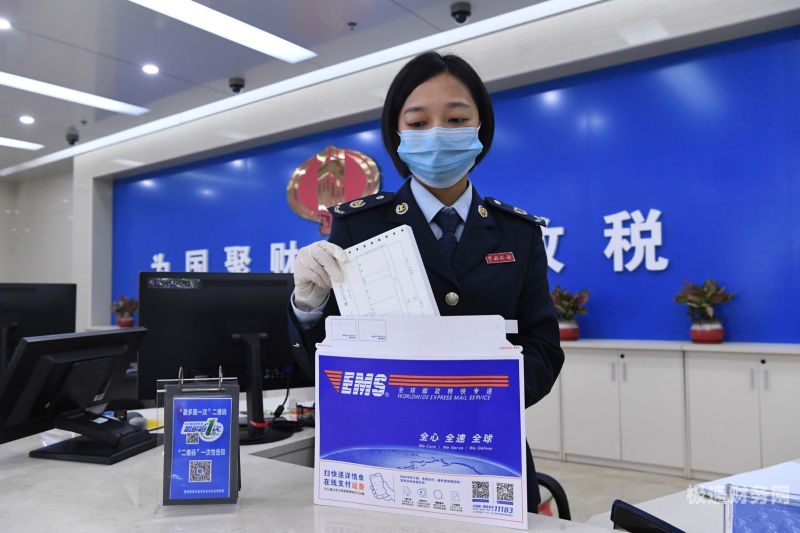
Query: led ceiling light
(150, 69)
(643, 32)
(27, 119)
(70, 95)
(22, 145)
(4, 24)
(227, 27)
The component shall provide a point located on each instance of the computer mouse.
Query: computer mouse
(137, 420)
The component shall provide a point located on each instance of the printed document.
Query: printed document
(385, 276)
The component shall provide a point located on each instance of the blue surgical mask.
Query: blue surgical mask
(439, 157)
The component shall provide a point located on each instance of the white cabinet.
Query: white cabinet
(673, 407)
(723, 412)
(743, 410)
(625, 405)
(652, 408)
(543, 424)
(590, 401)
(780, 409)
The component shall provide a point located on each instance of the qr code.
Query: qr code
(480, 490)
(505, 492)
(199, 471)
(193, 438)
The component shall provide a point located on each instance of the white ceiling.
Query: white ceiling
(99, 46)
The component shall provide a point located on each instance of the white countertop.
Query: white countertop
(758, 348)
(623, 344)
(49, 495)
(685, 510)
(704, 515)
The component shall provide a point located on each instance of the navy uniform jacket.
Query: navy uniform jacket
(515, 290)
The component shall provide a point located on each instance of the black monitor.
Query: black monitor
(55, 381)
(201, 321)
(32, 309)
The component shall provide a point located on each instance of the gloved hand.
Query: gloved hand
(314, 267)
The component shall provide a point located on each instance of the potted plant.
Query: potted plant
(569, 305)
(124, 309)
(700, 300)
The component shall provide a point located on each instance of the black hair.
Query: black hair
(418, 71)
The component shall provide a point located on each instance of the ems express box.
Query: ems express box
(421, 416)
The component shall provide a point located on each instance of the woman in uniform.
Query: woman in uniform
(482, 255)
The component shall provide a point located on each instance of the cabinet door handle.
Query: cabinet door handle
(752, 378)
(624, 372)
(613, 371)
(766, 379)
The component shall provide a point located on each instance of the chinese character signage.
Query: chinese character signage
(641, 237)
(201, 448)
(438, 436)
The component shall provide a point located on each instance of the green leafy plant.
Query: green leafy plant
(701, 299)
(124, 306)
(569, 305)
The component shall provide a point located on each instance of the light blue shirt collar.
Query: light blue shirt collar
(430, 205)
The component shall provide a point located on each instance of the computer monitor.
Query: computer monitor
(55, 381)
(201, 321)
(32, 309)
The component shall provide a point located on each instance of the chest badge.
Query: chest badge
(482, 211)
(401, 209)
(500, 257)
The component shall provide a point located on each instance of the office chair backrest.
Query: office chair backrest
(632, 519)
(559, 495)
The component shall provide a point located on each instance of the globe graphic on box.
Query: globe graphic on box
(420, 461)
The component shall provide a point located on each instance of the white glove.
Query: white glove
(314, 267)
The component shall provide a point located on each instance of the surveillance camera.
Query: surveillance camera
(72, 136)
(236, 84)
(461, 11)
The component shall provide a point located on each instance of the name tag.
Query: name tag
(500, 257)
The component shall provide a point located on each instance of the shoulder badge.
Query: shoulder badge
(360, 204)
(521, 213)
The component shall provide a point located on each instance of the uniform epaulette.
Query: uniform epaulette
(361, 204)
(497, 204)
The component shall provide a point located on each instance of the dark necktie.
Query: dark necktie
(447, 219)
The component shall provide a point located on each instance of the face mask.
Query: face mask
(439, 157)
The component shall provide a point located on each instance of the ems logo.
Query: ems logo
(371, 384)
(207, 430)
(329, 178)
(357, 383)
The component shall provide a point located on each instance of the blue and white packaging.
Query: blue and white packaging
(421, 416)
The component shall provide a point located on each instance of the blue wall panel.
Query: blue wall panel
(710, 137)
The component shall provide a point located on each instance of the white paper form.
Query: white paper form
(385, 276)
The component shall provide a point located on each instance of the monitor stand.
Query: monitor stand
(5, 339)
(103, 440)
(258, 430)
